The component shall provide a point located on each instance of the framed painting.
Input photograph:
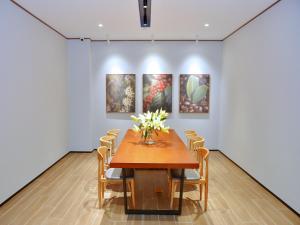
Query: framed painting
(157, 92)
(194, 93)
(120, 93)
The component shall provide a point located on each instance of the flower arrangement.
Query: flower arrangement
(150, 122)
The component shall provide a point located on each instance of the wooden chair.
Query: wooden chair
(189, 134)
(112, 176)
(115, 133)
(200, 143)
(194, 177)
(107, 141)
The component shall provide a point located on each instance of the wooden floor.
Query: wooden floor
(67, 195)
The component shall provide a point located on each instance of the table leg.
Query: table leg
(181, 191)
(125, 191)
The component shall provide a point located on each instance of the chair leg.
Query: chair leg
(102, 190)
(206, 196)
(100, 193)
(200, 190)
(132, 193)
(173, 189)
(170, 187)
(169, 181)
(172, 194)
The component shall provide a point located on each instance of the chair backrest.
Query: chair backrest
(106, 141)
(188, 132)
(115, 131)
(203, 156)
(197, 142)
(190, 135)
(112, 133)
(101, 153)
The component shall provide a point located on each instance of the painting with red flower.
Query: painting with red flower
(157, 92)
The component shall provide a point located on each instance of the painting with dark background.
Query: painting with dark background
(157, 92)
(194, 93)
(120, 93)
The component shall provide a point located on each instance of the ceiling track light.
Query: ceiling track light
(145, 12)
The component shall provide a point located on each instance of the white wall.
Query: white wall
(80, 95)
(33, 98)
(260, 104)
(139, 58)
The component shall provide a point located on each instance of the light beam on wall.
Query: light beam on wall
(194, 65)
(116, 65)
(154, 64)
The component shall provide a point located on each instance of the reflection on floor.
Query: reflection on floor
(67, 195)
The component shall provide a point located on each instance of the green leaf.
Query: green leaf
(135, 119)
(191, 85)
(157, 101)
(136, 128)
(168, 94)
(199, 93)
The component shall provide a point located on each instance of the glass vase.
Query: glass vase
(148, 140)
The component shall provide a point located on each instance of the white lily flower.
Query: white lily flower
(150, 122)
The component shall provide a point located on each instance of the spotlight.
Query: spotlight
(145, 5)
(145, 20)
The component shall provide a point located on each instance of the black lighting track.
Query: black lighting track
(145, 12)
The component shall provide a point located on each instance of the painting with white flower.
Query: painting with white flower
(120, 93)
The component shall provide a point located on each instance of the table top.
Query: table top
(168, 152)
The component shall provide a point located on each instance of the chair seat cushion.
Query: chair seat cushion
(116, 173)
(189, 174)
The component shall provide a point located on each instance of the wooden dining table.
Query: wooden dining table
(168, 152)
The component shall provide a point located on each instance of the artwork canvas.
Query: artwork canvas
(157, 92)
(120, 93)
(194, 93)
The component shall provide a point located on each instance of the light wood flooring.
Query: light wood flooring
(67, 195)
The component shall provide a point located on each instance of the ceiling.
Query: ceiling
(170, 19)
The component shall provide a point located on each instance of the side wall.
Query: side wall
(33, 98)
(80, 97)
(260, 104)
